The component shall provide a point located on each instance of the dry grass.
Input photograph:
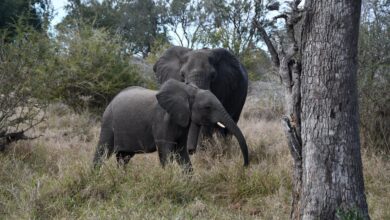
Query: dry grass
(50, 178)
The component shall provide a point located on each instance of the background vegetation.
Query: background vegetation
(54, 85)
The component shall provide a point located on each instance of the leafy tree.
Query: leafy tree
(257, 64)
(229, 24)
(36, 13)
(140, 26)
(23, 66)
(186, 20)
(137, 22)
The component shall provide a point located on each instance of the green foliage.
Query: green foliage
(84, 68)
(186, 20)
(137, 22)
(229, 24)
(257, 63)
(349, 214)
(92, 69)
(374, 75)
(35, 12)
(157, 49)
(22, 79)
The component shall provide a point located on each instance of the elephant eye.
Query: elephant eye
(182, 75)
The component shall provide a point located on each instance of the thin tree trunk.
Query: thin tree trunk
(332, 167)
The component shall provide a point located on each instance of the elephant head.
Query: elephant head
(190, 106)
(199, 67)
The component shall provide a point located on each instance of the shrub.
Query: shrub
(92, 68)
(375, 114)
(22, 62)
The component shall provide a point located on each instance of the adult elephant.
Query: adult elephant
(216, 70)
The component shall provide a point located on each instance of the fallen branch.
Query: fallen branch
(13, 137)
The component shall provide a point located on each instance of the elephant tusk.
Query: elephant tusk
(221, 125)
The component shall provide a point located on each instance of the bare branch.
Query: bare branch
(268, 42)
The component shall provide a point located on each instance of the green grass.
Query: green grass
(51, 178)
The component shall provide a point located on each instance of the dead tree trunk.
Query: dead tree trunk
(318, 69)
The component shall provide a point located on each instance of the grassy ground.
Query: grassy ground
(50, 177)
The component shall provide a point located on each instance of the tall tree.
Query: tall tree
(186, 20)
(139, 23)
(214, 23)
(319, 72)
(35, 12)
(229, 24)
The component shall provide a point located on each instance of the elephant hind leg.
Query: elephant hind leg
(104, 148)
(123, 158)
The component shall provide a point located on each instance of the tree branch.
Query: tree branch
(268, 42)
(13, 137)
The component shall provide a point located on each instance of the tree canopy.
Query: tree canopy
(35, 13)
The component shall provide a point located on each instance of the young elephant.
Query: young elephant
(140, 120)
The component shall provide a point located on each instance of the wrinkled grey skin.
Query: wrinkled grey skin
(216, 70)
(139, 120)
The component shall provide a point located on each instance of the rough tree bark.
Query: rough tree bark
(332, 166)
(319, 69)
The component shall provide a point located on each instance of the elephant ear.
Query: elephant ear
(169, 64)
(228, 67)
(174, 98)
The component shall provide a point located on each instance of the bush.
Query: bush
(375, 114)
(22, 63)
(92, 68)
(374, 75)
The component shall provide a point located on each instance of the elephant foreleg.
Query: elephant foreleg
(193, 136)
(206, 137)
(183, 159)
(165, 151)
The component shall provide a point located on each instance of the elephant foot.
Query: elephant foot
(191, 151)
(123, 158)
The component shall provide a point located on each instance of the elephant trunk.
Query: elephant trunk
(235, 130)
(193, 135)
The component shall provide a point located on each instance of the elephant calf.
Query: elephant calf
(140, 120)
